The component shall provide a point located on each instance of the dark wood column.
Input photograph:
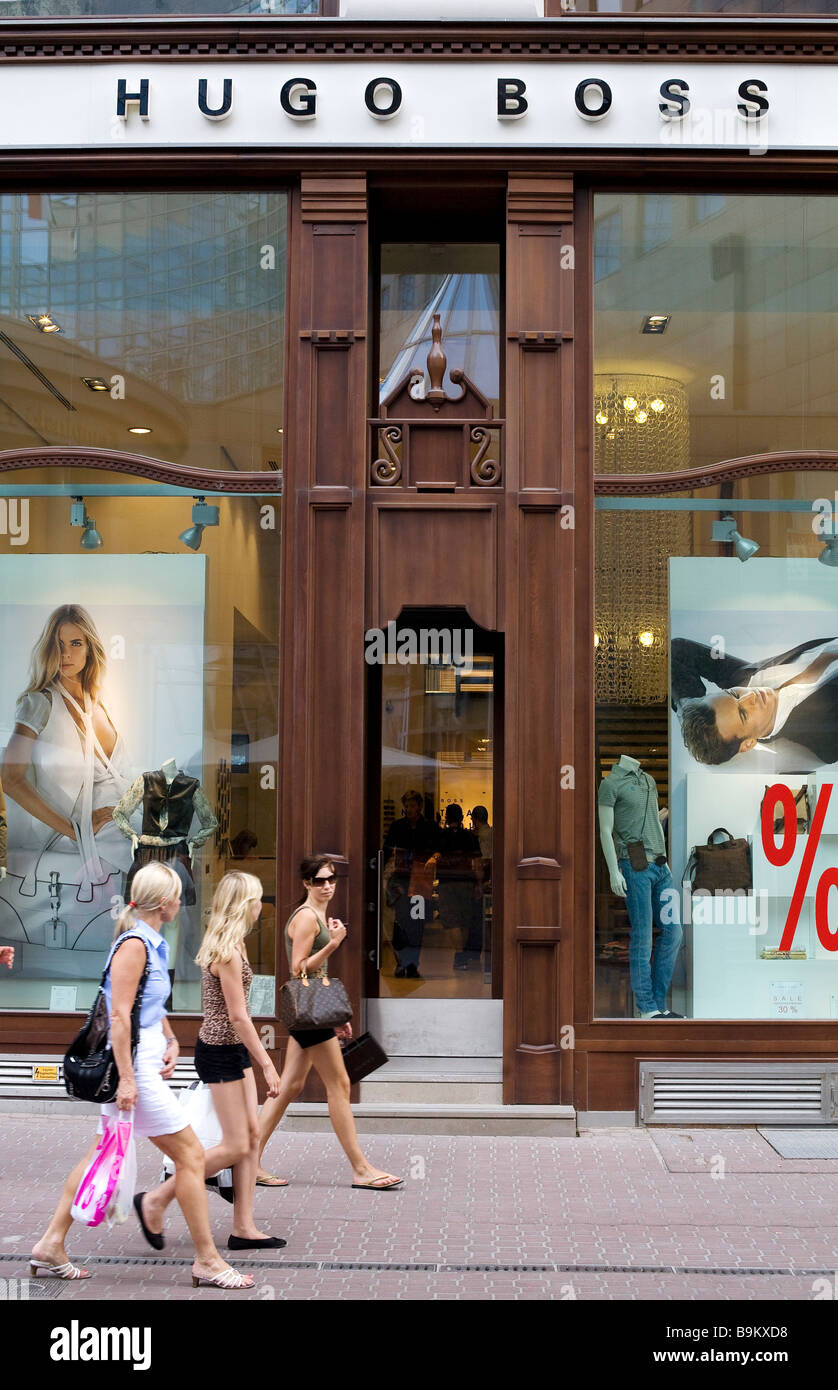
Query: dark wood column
(323, 564)
(538, 582)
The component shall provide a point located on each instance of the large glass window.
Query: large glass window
(150, 323)
(716, 654)
(138, 719)
(43, 9)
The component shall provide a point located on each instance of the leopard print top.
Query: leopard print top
(216, 1028)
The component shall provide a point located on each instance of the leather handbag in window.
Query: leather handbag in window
(316, 1002)
(801, 806)
(727, 865)
(362, 1056)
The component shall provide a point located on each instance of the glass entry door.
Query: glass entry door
(435, 833)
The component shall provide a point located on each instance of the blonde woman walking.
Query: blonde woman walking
(310, 940)
(226, 1042)
(142, 1081)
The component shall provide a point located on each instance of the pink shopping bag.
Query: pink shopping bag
(100, 1181)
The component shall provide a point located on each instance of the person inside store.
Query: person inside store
(410, 842)
(142, 1081)
(478, 938)
(311, 939)
(226, 1042)
(726, 705)
(459, 871)
(633, 844)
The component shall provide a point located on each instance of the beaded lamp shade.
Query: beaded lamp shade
(641, 426)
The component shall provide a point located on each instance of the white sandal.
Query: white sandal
(66, 1271)
(229, 1278)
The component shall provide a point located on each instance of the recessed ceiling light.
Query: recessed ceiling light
(655, 323)
(96, 383)
(45, 323)
(138, 429)
(280, 430)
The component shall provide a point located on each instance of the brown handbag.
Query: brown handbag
(316, 1002)
(724, 866)
(801, 803)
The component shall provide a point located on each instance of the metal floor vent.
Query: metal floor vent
(750, 1093)
(26, 1076)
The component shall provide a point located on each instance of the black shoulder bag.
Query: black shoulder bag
(90, 1071)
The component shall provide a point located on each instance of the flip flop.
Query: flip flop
(380, 1184)
(271, 1182)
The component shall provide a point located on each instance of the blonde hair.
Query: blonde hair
(153, 886)
(46, 654)
(229, 919)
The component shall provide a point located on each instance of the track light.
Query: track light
(829, 554)
(91, 539)
(202, 516)
(725, 530)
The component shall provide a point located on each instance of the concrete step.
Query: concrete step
(553, 1121)
(463, 1081)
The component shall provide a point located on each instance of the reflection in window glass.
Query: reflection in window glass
(174, 301)
(607, 245)
(716, 661)
(747, 298)
(461, 283)
(65, 8)
(142, 727)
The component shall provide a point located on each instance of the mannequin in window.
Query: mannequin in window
(170, 800)
(633, 843)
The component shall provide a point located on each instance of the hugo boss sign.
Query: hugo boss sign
(592, 98)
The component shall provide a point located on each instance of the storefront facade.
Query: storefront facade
(458, 344)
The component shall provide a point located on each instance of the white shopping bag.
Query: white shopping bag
(120, 1206)
(200, 1111)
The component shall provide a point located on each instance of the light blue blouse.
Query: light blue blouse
(158, 985)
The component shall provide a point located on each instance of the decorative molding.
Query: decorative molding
(332, 337)
(619, 39)
(541, 342)
(387, 471)
(333, 198)
(749, 466)
(538, 935)
(539, 199)
(539, 867)
(138, 465)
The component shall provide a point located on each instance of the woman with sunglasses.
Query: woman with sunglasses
(310, 939)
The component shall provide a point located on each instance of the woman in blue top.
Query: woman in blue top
(142, 1079)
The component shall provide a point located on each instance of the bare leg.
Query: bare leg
(328, 1063)
(50, 1247)
(293, 1079)
(244, 1172)
(184, 1148)
(228, 1099)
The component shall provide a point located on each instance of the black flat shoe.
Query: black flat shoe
(155, 1239)
(262, 1243)
(225, 1192)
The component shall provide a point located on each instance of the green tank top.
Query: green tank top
(322, 938)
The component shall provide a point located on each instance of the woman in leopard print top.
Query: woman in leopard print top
(226, 1042)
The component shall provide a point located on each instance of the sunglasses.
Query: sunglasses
(330, 878)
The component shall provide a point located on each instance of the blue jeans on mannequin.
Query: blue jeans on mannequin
(651, 897)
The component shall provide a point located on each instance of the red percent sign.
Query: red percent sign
(779, 855)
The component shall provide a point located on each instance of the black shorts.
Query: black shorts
(221, 1061)
(310, 1037)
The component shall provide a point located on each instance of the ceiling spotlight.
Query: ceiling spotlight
(829, 554)
(655, 323)
(139, 429)
(91, 539)
(725, 530)
(45, 323)
(96, 383)
(202, 516)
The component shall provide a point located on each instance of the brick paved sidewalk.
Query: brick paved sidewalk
(615, 1214)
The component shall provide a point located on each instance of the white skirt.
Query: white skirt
(157, 1111)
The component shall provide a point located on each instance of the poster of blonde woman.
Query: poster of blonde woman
(102, 679)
